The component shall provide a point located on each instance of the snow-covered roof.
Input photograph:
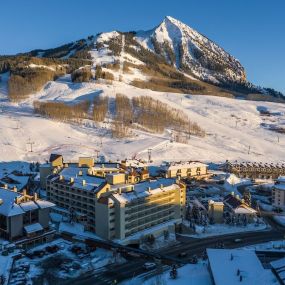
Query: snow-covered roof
(244, 210)
(33, 228)
(281, 179)
(12, 180)
(183, 164)
(43, 204)
(143, 189)
(8, 207)
(279, 267)
(279, 187)
(227, 263)
(29, 206)
(280, 183)
(106, 166)
(135, 163)
(81, 179)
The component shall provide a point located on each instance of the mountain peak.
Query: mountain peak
(171, 19)
(190, 51)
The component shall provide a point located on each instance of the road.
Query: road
(192, 246)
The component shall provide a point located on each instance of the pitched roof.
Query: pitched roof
(232, 201)
(54, 156)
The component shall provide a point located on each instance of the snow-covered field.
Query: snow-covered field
(194, 274)
(222, 229)
(232, 126)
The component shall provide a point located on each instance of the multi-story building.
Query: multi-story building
(130, 209)
(74, 190)
(216, 211)
(278, 193)
(256, 170)
(108, 200)
(23, 216)
(188, 169)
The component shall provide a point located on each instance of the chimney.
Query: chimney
(83, 182)
(35, 196)
(61, 177)
(5, 186)
(148, 189)
(237, 196)
(161, 186)
(15, 189)
(71, 180)
(120, 191)
(233, 193)
(24, 191)
(80, 173)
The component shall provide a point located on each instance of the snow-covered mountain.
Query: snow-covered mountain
(170, 64)
(189, 50)
(186, 61)
(180, 45)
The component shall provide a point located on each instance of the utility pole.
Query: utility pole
(31, 144)
(248, 149)
(149, 154)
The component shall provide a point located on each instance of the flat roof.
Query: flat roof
(227, 265)
(79, 175)
(183, 164)
(141, 190)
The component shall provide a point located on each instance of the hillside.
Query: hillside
(232, 126)
(121, 94)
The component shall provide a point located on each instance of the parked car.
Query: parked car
(182, 254)
(237, 240)
(52, 249)
(149, 266)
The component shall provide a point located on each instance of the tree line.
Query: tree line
(154, 116)
(62, 111)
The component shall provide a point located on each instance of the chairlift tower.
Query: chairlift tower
(31, 143)
(149, 154)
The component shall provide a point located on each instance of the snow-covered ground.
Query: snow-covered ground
(232, 126)
(190, 274)
(66, 262)
(222, 229)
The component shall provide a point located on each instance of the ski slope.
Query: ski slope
(233, 128)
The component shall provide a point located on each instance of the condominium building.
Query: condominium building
(130, 209)
(112, 200)
(188, 169)
(74, 191)
(278, 193)
(23, 216)
(256, 170)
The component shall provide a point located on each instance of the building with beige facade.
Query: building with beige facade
(256, 170)
(110, 206)
(75, 193)
(188, 169)
(278, 193)
(216, 211)
(129, 210)
(114, 200)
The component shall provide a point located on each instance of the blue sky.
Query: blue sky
(251, 30)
